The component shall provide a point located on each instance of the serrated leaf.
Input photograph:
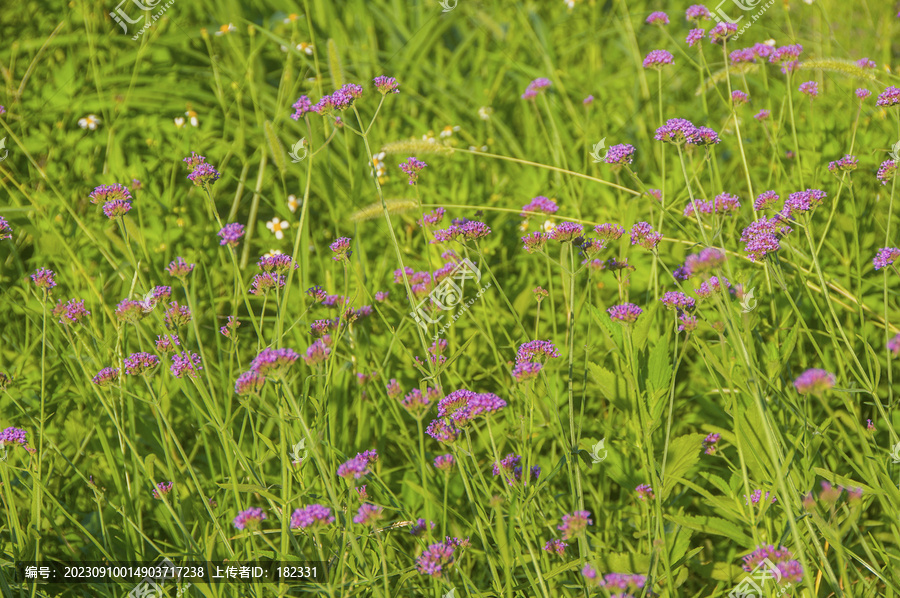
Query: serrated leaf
(613, 329)
(659, 366)
(642, 328)
(684, 452)
(605, 379)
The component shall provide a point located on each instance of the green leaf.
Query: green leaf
(642, 328)
(713, 526)
(684, 452)
(275, 146)
(659, 365)
(614, 329)
(605, 379)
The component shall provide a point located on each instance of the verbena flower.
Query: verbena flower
(539, 204)
(179, 268)
(435, 558)
(317, 352)
(129, 310)
(110, 193)
(341, 249)
(658, 18)
(462, 230)
(5, 229)
(274, 363)
(536, 350)
(643, 234)
(739, 98)
(204, 175)
(621, 154)
(412, 167)
(17, 437)
(44, 279)
(574, 524)
(845, 164)
(742, 55)
(106, 377)
(697, 13)
(757, 496)
(116, 208)
(709, 444)
(250, 517)
(714, 285)
(722, 32)
(810, 89)
(557, 546)
(609, 232)
(357, 466)
(443, 432)
(161, 489)
(687, 323)
(302, 107)
(694, 36)
(765, 200)
(368, 514)
(704, 136)
(231, 234)
(249, 383)
(762, 115)
(886, 257)
(185, 363)
(386, 85)
(645, 492)
(314, 516)
(511, 471)
(676, 131)
(814, 381)
(535, 87)
(266, 282)
(893, 345)
(790, 569)
(229, 330)
(444, 462)
(762, 237)
(167, 343)
(177, 316)
(865, 63)
(73, 312)
(657, 59)
(625, 313)
(785, 54)
(889, 97)
(887, 171)
(862, 93)
(534, 241)
(676, 300)
(566, 232)
(803, 202)
(137, 364)
(432, 218)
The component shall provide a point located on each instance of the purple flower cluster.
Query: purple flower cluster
(658, 18)
(657, 59)
(539, 204)
(535, 87)
(44, 279)
(557, 546)
(709, 444)
(161, 489)
(106, 377)
(16, 436)
(511, 470)
(677, 301)
(302, 107)
(809, 88)
(626, 313)
(339, 100)
(72, 312)
(694, 36)
(186, 363)
(314, 516)
(642, 234)
(721, 32)
(574, 524)
(697, 13)
(814, 381)
(886, 171)
(566, 232)
(179, 268)
(386, 85)
(756, 496)
(791, 570)
(274, 363)
(724, 203)
(357, 466)
(762, 236)
(412, 167)
(711, 286)
(645, 492)
(623, 153)
(5, 229)
(251, 517)
(889, 97)
(116, 198)
(137, 364)
(231, 234)
(432, 218)
(535, 351)
(443, 462)
(436, 557)
(462, 230)
(368, 514)
(202, 173)
(177, 316)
